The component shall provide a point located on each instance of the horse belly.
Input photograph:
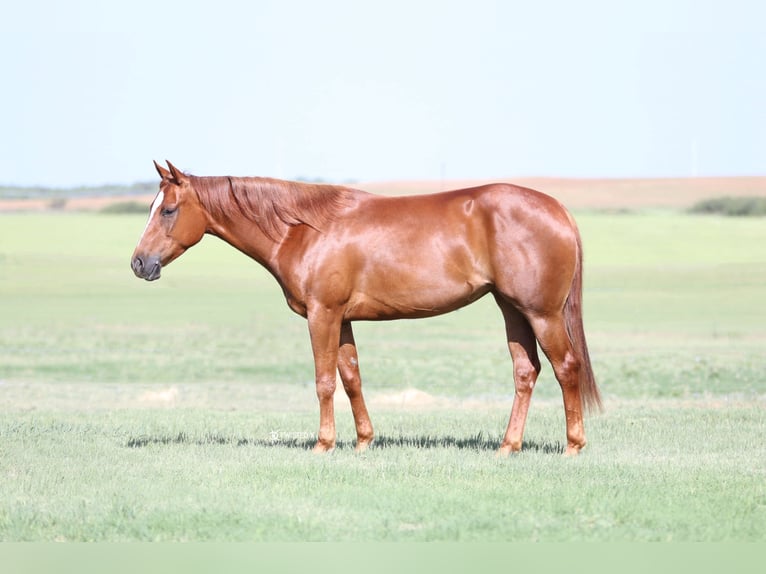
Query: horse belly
(421, 289)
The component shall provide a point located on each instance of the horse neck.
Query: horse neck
(247, 237)
(257, 215)
(238, 230)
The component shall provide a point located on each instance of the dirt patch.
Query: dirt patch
(409, 399)
(163, 398)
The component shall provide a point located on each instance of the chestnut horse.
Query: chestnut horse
(343, 255)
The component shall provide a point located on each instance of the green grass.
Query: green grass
(183, 409)
(654, 472)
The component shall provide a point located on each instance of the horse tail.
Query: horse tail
(589, 393)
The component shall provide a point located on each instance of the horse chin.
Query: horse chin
(153, 275)
(153, 271)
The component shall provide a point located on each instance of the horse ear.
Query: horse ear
(177, 174)
(164, 174)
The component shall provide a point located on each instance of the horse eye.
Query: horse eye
(168, 211)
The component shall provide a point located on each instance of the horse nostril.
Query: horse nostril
(138, 264)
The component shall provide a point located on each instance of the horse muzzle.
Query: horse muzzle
(146, 267)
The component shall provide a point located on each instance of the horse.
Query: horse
(342, 255)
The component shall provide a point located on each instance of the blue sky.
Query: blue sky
(340, 90)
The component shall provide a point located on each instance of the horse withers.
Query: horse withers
(343, 255)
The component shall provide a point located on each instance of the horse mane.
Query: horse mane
(272, 204)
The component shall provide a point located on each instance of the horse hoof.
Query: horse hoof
(506, 451)
(573, 450)
(362, 446)
(321, 448)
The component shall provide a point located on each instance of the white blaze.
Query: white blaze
(155, 206)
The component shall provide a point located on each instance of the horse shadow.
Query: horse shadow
(479, 442)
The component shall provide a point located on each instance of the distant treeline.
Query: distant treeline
(125, 208)
(735, 206)
(17, 192)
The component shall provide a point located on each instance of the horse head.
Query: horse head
(176, 222)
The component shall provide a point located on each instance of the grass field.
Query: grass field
(183, 409)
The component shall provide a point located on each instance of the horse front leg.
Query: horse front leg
(348, 367)
(324, 329)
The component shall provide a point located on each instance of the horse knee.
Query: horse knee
(325, 387)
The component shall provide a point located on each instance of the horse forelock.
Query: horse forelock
(272, 204)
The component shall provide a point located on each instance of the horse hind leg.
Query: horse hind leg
(526, 367)
(348, 368)
(553, 338)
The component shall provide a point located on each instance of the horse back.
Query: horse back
(414, 256)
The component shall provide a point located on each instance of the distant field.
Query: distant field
(183, 409)
(605, 194)
(600, 194)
